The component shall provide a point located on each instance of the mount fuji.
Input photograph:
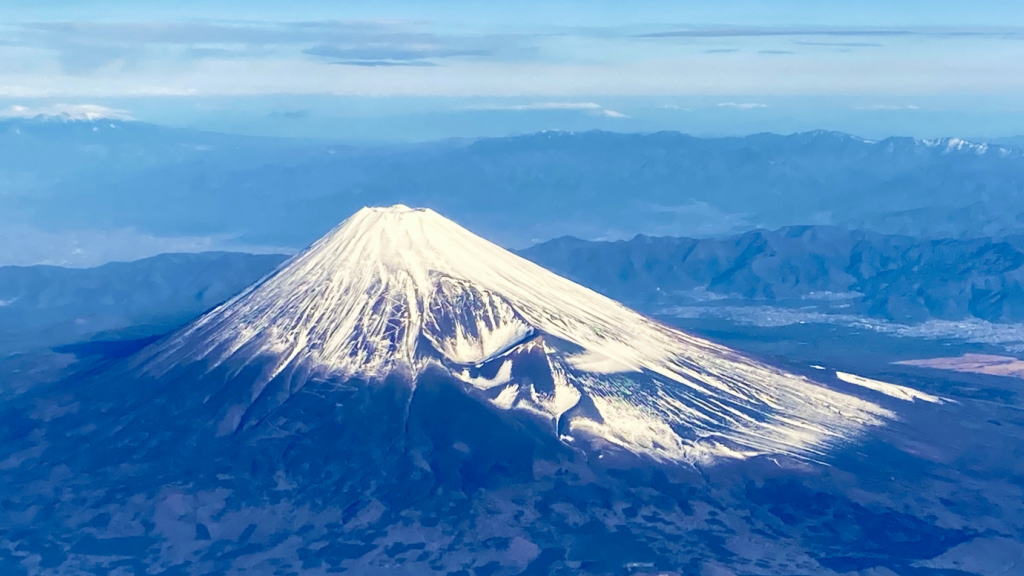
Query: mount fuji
(405, 397)
(401, 292)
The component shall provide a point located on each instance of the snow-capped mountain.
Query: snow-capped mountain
(405, 397)
(396, 292)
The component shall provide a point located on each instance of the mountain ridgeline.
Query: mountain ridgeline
(50, 305)
(887, 276)
(516, 190)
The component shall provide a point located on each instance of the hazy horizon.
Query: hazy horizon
(424, 71)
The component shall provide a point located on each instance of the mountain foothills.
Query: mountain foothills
(50, 306)
(404, 397)
(61, 177)
(893, 277)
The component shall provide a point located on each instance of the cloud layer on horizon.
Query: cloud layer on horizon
(588, 107)
(67, 111)
(397, 57)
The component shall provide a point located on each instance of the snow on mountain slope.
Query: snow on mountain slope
(397, 291)
(894, 390)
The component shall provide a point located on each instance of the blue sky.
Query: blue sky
(418, 70)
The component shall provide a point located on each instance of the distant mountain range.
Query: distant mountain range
(875, 275)
(245, 191)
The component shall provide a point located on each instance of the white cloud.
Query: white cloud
(742, 105)
(66, 111)
(663, 75)
(591, 107)
(540, 106)
(888, 107)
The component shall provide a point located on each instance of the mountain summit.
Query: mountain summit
(397, 292)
